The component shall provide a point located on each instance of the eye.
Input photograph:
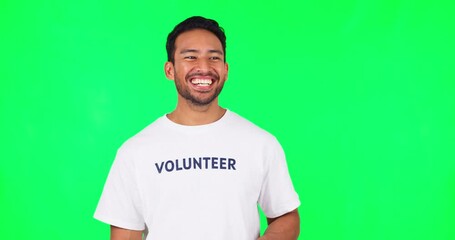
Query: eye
(190, 57)
(215, 58)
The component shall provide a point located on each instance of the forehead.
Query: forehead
(198, 39)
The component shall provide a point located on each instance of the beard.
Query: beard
(185, 92)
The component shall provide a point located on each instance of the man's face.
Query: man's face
(199, 70)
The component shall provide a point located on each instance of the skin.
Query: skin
(199, 54)
(285, 227)
(125, 234)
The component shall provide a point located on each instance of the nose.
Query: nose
(203, 65)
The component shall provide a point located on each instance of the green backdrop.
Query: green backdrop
(361, 94)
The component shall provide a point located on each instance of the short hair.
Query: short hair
(196, 22)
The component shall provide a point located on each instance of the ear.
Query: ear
(226, 68)
(169, 70)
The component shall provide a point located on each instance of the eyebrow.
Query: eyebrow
(188, 51)
(216, 51)
(196, 51)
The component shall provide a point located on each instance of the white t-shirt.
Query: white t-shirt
(197, 182)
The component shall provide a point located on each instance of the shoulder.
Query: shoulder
(248, 129)
(150, 134)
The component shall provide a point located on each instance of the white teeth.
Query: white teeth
(201, 82)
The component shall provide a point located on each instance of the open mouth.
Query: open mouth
(202, 82)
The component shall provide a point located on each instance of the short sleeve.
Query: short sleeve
(277, 195)
(120, 203)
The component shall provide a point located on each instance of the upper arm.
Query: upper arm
(125, 234)
(286, 226)
(277, 195)
(292, 215)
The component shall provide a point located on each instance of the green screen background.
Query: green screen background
(361, 94)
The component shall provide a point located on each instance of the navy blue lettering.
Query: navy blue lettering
(177, 166)
(231, 164)
(222, 163)
(198, 163)
(159, 168)
(206, 162)
(214, 162)
(169, 166)
(185, 166)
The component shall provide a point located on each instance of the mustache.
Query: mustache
(207, 74)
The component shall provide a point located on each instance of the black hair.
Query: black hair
(191, 23)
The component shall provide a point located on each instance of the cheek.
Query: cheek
(180, 71)
(222, 71)
(184, 69)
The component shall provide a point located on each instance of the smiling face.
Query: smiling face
(199, 70)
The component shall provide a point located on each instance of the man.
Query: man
(199, 172)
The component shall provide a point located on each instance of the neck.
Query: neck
(189, 114)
